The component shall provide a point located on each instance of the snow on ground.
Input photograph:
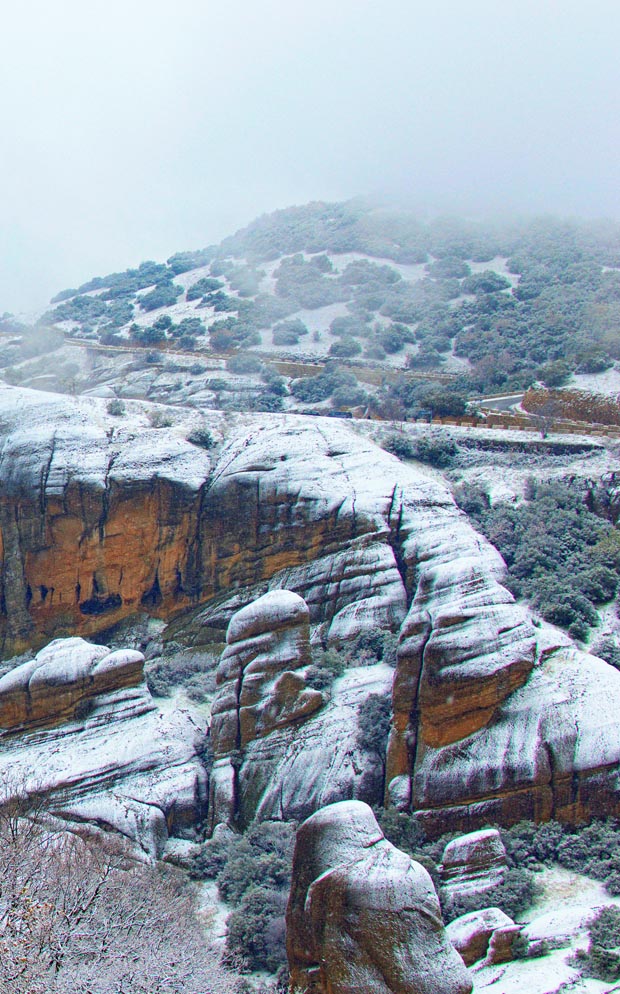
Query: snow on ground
(606, 383)
(568, 900)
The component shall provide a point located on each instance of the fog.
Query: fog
(132, 130)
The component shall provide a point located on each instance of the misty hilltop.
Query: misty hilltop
(497, 304)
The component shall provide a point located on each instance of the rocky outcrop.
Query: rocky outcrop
(472, 935)
(103, 517)
(261, 688)
(62, 683)
(473, 864)
(363, 916)
(550, 751)
(82, 730)
(281, 749)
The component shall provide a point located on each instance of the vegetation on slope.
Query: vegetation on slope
(558, 309)
(561, 555)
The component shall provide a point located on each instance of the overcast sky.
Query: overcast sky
(134, 129)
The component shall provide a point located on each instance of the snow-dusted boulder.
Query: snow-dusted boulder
(473, 864)
(82, 730)
(362, 915)
(470, 934)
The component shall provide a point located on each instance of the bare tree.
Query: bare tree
(82, 916)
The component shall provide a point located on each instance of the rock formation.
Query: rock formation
(280, 750)
(81, 729)
(473, 864)
(103, 517)
(362, 915)
(483, 935)
(261, 689)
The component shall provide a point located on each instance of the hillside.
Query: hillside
(399, 307)
(218, 617)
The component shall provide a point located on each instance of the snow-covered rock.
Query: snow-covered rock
(82, 730)
(362, 915)
(473, 864)
(470, 934)
(103, 517)
(260, 688)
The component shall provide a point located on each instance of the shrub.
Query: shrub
(289, 332)
(202, 287)
(349, 396)
(244, 364)
(202, 437)
(163, 295)
(436, 450)
(607, 648)
(400, 445)
(602, 960)
(200, 687)
(159, 419)
(256, 930)
(346, 348)
(281, 336)
(249, 869)
(116, 408)
(373, 721)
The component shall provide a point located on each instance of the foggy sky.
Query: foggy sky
(134, 129)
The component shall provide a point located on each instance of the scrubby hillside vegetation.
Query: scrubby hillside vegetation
(494, 305)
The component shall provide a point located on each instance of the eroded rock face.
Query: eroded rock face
(102, 517)
(82, 729)
(363, 916)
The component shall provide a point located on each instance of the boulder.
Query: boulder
(63, 682)
(362, 915)
(501, 945)
(470, 934)
(473, 864)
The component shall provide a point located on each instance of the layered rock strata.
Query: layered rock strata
(362, 915)
(82, 730)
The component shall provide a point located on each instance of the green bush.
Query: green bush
(256, 930)
(400, 445)
(244, 364)
(373, 724)
(602, 959)
(163, 295)
(345, 348)
(436, 450)
(202, 437)
(202, 287)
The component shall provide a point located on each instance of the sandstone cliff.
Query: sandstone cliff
(102, 517)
